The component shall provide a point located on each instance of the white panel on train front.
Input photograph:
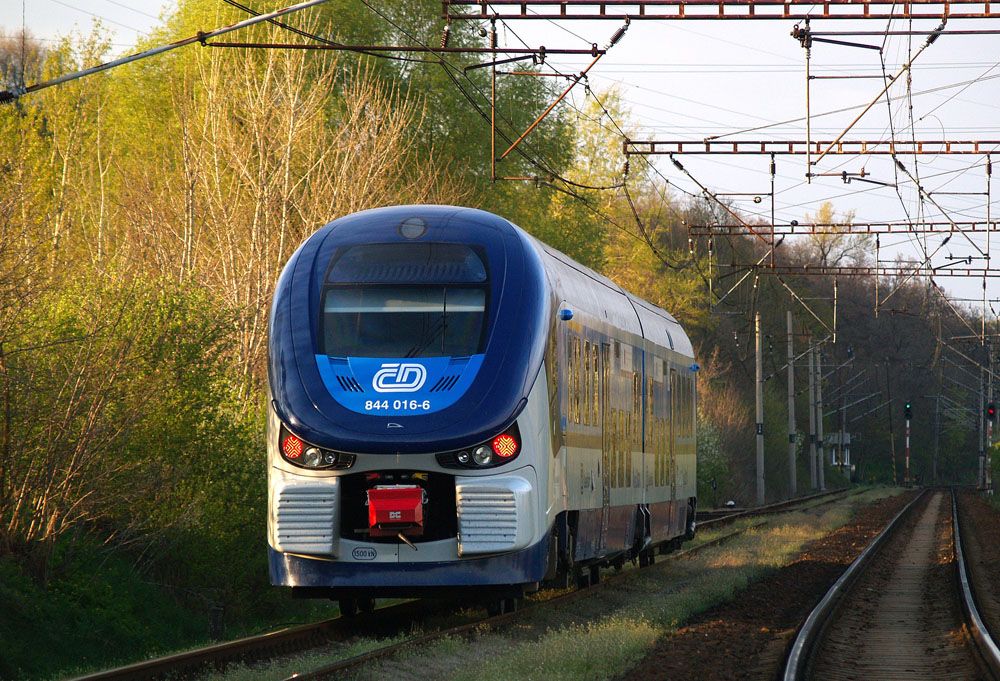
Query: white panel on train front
(304, 516)
(494, 514)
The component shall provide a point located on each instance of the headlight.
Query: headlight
(496, 451)
(296, 451)
(312, 457)
(482, 455)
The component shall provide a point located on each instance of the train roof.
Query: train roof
(649, 321)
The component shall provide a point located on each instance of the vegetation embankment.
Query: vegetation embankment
(145, 214)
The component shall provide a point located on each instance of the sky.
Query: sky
(691, 79)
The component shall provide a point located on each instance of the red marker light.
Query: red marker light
(292, 447)
(505, 446)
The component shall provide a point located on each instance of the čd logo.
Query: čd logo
(399, 378)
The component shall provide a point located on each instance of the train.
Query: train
(456, 407)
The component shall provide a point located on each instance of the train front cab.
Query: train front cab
(402, 504)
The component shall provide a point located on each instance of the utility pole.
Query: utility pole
(892, 432)
(821, 458)
(760, 408)
(989, 422)
(842, 459)
(791, 410)
(937, 435)
(812, 415)
(982, 432)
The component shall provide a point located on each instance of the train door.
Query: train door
(603, 367)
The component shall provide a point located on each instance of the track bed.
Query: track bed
(903, 619)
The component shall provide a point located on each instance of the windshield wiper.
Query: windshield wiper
(429, 336)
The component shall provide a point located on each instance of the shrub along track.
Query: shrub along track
(397, 620)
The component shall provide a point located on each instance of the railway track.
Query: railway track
(902, 610)
(397, 619)
(723, 515)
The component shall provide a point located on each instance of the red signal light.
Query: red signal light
(292, 447)
(505, 446)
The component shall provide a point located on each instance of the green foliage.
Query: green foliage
(96, 614)
(144, 215)
(714, 474)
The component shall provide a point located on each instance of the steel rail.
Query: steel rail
(721, 516)
(988, 648)
(809, 633)
(341, 666)
(253, 647)
(299, 637)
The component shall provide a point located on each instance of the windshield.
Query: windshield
(403, 321)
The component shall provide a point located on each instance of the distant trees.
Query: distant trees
(21, 59)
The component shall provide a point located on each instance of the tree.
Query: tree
(840, 247)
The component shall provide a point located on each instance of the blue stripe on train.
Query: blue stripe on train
(522, 567)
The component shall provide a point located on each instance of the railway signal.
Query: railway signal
(991, 412)
(907, 411)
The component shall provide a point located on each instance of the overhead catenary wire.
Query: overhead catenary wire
(623, 184)
(320, 39)
(96, 16)
(19, 91)
(453, 73)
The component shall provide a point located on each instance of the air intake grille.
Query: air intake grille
(487, 519)
(349, 384)
(445, 383)
(305, 518)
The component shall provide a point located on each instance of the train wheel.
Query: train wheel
(691, 525)
(366, 605)
(563, 579)
(348, 607)
(502, 606)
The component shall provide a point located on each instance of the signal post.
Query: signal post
(908, 414)
(991, 413)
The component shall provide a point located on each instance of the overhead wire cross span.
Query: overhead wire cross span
(660, 10)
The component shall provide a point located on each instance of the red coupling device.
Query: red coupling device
(395, 509)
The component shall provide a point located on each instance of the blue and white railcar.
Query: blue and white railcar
(455, 404)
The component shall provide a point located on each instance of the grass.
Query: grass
(599, 636)
(288, 666)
